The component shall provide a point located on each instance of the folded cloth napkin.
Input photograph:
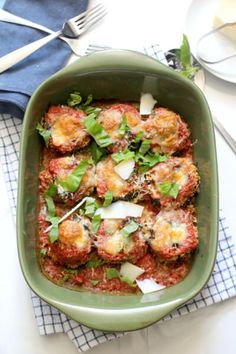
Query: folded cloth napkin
(221, 285)
(18, 83)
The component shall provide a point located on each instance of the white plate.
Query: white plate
(199, 21)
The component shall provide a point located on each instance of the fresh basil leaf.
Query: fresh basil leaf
(46, 134)
(72, 182)
(123, 156)
(89, 109)
(95, 263)
(91, 206)
(189, 72)
(185, 53)
(75, 99)
(88, 100)
(138, 137)
(170, 189)
(96, 221)
(129, 228)
(49, 194)
(96, 131)
(43, 252)
(96, 152)
(128, 281)
(94, 282)
(149, 160)
(112, 273)
(54, 232)
(145, 146)
(108, 198)
(123, 127)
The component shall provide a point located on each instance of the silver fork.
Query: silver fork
(73, 28)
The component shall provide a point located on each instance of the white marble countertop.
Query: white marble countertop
(210, 330)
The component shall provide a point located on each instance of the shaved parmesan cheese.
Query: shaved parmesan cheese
(120, 210)
(147, 103)
(130, 271)
(149, 286)
(125, 168)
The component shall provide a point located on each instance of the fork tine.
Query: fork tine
(92, 20)
(87, 13)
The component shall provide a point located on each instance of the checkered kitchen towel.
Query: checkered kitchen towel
(221, 285)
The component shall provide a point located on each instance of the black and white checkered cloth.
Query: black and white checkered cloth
(221, 285)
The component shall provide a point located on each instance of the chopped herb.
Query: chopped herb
(95, 263)
(139, 137)
(187, 70)
(123, 127)
(123, 156)
(97, 152)
(96, 220)
(96, 131)
(94, 282)
(112, 273)
(49, 194)
(149, 160)
(54, 232)
(168, 188)
(72, 182)
(72, 271)
(90, 109)
(91, 206)
(108, 199)
(129, 228)
(128, 281)
(45, 133)
(43, 252)
(75, 99)
(145, 146)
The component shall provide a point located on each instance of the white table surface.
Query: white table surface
(211, 330)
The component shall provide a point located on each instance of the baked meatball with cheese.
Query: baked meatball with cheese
(172, 182)
(111, 120)
(73, 245)
(66, 128)
(174, 234)
(108, 180)
(59, 172)
(166, 130)
(114, 246)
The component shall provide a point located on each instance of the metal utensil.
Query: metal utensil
(203, 50)
(73, 28)
(172, 58)
(6, 16)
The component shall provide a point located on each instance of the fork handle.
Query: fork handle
(17, 55)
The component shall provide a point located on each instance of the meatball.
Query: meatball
(174, 234)
(61, 168)
(73, 245)
(111, 120)
(164, 273)
(108, 180)
(178, 171)
(66, 127)
(166, 130)
(113, 246)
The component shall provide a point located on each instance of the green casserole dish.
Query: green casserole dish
(122, 75)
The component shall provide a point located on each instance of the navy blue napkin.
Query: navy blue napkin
(18, 83)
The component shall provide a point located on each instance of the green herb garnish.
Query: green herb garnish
(91, 206)
(129, 228)
(46, 134)
(145, 146)
(49, 194)
(54, 232)
(138, 137)
(188, 70)
(149, 160)
(170, 189)
(96, 152)
(43, 252)
(96, 221)
(112, 273)
(108, 199)
(94, 282)
(96, 131)
(75, 99)
(72, 182)
(95, 263)
(123, 156)
(123, 127)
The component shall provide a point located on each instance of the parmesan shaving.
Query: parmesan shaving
(147, 102)
(120, 210)
(130, 271)
(125, 168)
(149, 286)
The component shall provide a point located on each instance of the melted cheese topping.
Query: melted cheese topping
(65, 129)
(168, 231)
(114, 244)
(74, 233)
